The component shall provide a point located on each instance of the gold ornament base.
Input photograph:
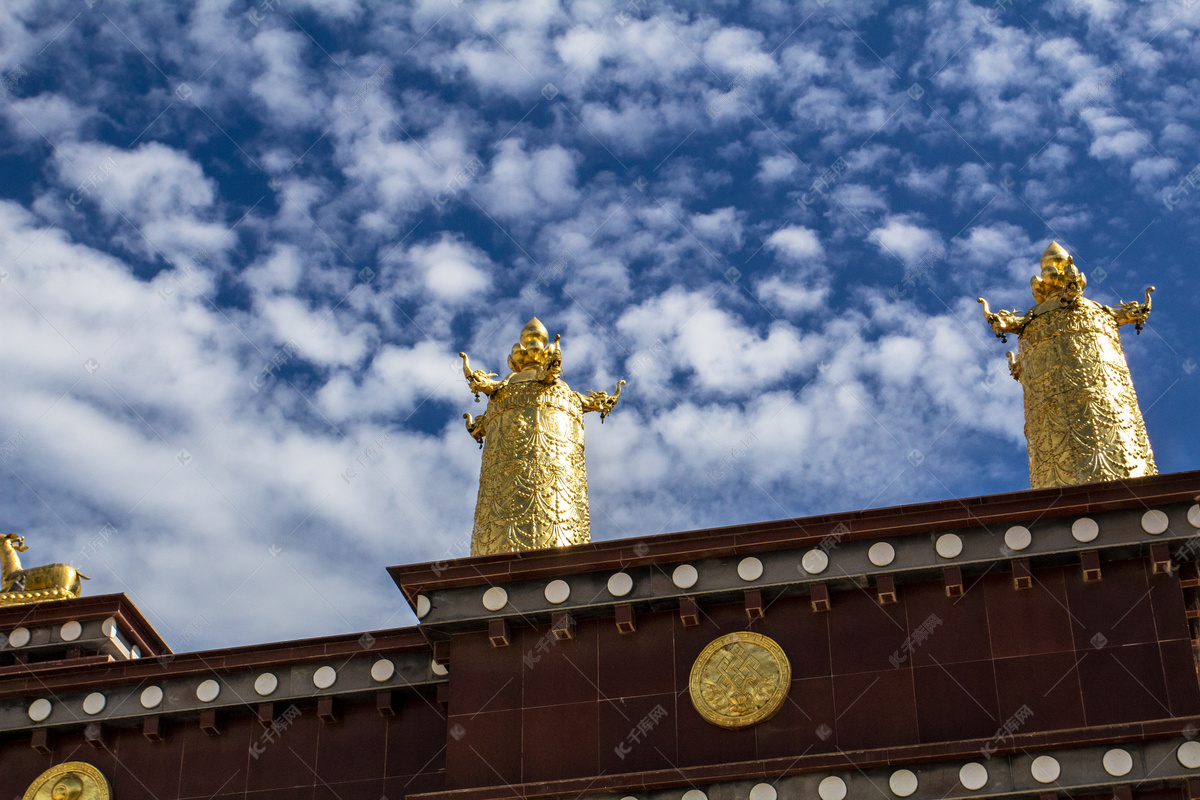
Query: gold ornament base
(22, 598)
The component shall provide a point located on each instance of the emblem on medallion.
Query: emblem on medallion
(740, 680)
(74, 780)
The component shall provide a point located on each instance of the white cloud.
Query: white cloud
(1114, 137)
(533, 185)
(772, 169)
(791, 297)
(714, 345)
(796, 243)
(450, 270)
(174, 375)
(737, 51)
(721, 225)
(291, 93)
(905, 238)
(929, 182)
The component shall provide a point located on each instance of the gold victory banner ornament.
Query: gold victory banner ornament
(533, 484)
(1082, 419)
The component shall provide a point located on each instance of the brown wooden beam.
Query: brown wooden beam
(754, 605)
(562, 625)
(153, 728)
(689, 612)
(885, 589)
(625, 620)
(498, 633)
(820, 597)
(954, 581)
(1022, 576)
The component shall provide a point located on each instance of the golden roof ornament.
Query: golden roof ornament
(533, 483)
(1082, 419)
(36, 584)
(73, 780)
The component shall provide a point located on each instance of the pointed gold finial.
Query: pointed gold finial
(531, 351)
(534, 331)
(1059, 273)
(1053, 254)
(533, 485)
(1082, 419)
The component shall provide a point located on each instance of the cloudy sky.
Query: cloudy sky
(242, 244)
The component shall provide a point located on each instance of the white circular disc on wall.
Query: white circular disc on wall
(40, 709)
(620, 584)
(949, 545)
(750, 569)
(495, 598)
(382, 670)
(903, 782)
(1017, 537)
(685, 576)
(1189, 754)
(266, 684)
(70, 631)
(151, 697)
(832, 788)
(881, 554)
(764, 791)
(207, 691)
(1085, 529)
(973, 776)
(1045, 769)
(557, 591)
(324, 677)
(1155, 522)
(815, 562)
(1118, 762)
(94, 703)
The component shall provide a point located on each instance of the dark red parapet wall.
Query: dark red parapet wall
(362, 755)
(1062, 655)
(919, 664)
(366, 734)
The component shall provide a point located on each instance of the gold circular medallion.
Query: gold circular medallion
(74, 780)
(739, 680)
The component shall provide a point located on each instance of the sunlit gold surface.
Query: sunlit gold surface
(1082, 419)
(739, 680)
(74, 780)
(533, 484)
(36, 584)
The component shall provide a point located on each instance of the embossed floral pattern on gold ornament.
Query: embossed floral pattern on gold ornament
(533, 482)
(740, 679)
(1082, 420)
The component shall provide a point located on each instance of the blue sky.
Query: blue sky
(242, 245)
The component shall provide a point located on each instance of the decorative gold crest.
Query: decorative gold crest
(740, 680)
(74, 780)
